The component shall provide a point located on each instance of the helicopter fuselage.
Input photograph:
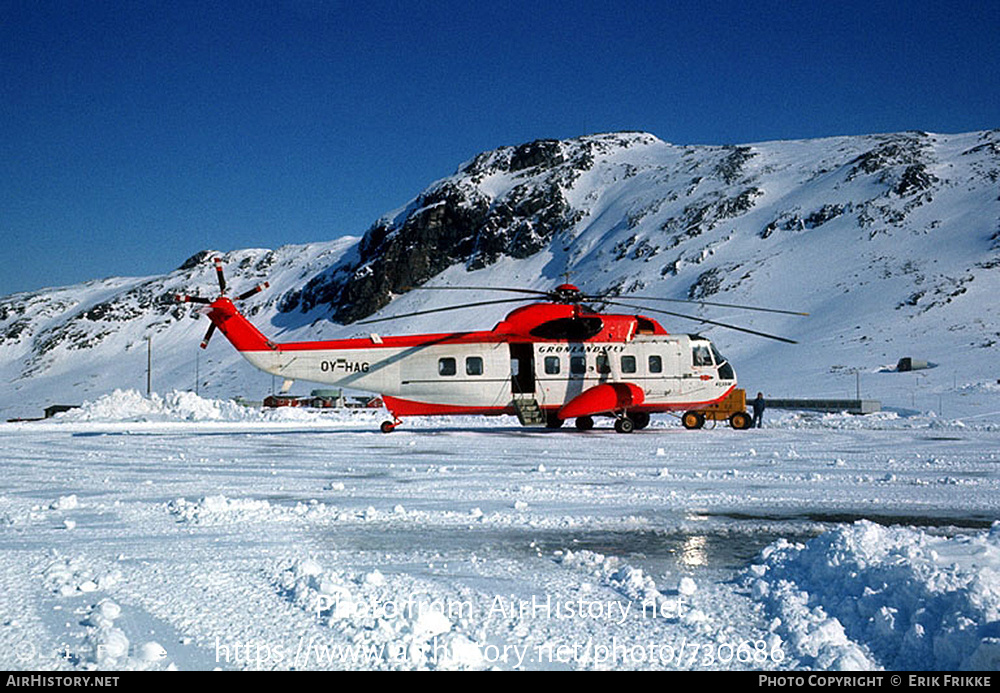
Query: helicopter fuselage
(572, 362)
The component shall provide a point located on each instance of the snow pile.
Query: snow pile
(109, 648)
(69, 577)
(981, 387)
(841, 420)
(878, 421)
(387, 623)
(220, 510)
(915, 600)
(109, 645)
(633, 584)
(70, 502)
(131, 406)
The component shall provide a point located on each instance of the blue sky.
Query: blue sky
(134, 134)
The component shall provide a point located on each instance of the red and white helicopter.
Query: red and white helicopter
(548, 362)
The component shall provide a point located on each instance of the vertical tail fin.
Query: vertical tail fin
(236, 328)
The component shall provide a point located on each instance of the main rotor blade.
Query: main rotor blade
(702, 303)
(208, 336)
(184, 298)
(707, 322)
(531, 292)
(442, 310)
(218, 272)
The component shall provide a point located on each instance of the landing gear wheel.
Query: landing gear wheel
(553, 421)
(693, 420)
(387, 427)
(584, 423)
(741, 421)
(624, 425)
(640, 419)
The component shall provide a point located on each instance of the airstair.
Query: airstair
(528, 411)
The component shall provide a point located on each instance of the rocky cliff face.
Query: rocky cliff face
(509, 202)
(652, 202)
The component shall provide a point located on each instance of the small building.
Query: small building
(284, 401)
(326, 399)
(832, 406)
(911, 364)
(54, 409)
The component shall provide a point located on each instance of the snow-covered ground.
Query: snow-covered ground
(191, 533)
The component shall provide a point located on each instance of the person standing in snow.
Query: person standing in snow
(758, 409)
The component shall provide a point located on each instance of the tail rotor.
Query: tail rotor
(208, 336)
(256, 290)
(220, 275)
(187, 298)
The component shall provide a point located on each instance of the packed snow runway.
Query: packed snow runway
(201, 535)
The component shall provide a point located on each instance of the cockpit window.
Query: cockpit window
(700, 355)
(644, 326)
(719, 358)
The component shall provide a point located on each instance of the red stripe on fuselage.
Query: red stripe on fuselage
(406, 407)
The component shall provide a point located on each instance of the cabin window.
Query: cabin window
(701, 356)
(473, 365)
(446, 366)
(628, 364)
(577, 365)
(655, 363)
(603, 363)
(552, 365)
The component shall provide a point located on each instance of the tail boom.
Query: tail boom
(236, 328)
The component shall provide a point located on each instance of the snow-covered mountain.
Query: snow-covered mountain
(891, 242)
